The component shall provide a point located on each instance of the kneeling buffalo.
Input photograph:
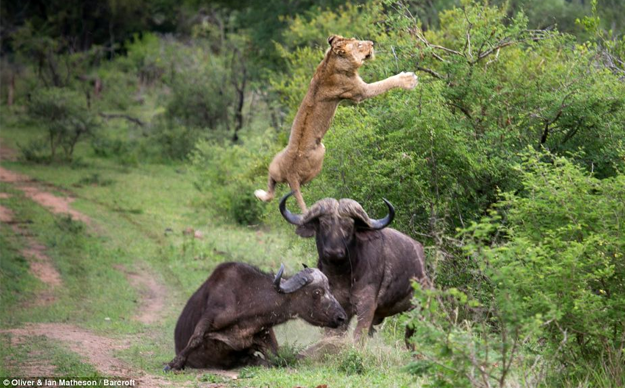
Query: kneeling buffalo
(370, 267)
(229, 319)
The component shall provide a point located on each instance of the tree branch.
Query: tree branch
(430, 72)
(109, 116)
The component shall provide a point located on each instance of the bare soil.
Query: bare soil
(6, 215)
(58, 205)
(153, 293)
(94, 349)
(40, 264)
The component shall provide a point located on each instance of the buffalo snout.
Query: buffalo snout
(333, 253)
(339, 319)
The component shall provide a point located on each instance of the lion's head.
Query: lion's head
(351, 51)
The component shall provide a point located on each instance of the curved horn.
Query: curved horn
(293, 284)
(276, 281)
(386, 221)
(290, 217)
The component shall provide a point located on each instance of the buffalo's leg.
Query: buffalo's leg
(365, 312)
(265, 343)
(194, 342)
(409, 333)
(376, 321)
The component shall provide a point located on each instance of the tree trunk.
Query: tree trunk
(238, 117)
(11, 95)
(112, 39)
(97, 88)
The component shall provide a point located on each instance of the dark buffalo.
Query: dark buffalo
(229, 320)
(370, 267)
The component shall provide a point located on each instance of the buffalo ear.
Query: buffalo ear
(360, 224)
(305, 230)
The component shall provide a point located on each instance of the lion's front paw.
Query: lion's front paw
(407, 80)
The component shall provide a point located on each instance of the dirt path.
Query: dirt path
(41, 265)
(96, 350)
(58, 205)
(6, 215)
(153, 294)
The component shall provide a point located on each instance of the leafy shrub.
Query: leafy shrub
(107, 146)
(222, 176)
(203, 86)
(548, 279)
(441, 152)
(64, 115)
(288, 355)
(201, 95)
(35, 151)
(351, 362)
(119, 89)
(174, 141)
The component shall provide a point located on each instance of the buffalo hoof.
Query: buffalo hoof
(167, 368)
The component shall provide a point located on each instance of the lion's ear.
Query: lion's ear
(331, 39)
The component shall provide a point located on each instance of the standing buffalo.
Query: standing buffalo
(230, 317)
(370, 268)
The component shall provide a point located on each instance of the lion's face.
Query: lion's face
(353, 52)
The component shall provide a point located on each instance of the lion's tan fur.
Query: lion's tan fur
(335, 79)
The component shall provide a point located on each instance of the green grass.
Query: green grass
(139, 215)
(40, 351)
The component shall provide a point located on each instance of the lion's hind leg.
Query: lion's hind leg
(268, 195)
(297, 193)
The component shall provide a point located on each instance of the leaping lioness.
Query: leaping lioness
(335, 79)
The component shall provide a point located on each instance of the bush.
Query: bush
(441, 152)
(106, 146)
(62, 112)
(351, 362)
(174, 141)
(548, 278)
(35, 151)
(222, 176)
(203, 86)
(201, 95)
(287, 356)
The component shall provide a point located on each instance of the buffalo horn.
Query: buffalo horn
(386, 221)
(290, 217)
(276, 281)
(293, 284)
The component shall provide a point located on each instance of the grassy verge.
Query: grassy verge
(42, 354)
